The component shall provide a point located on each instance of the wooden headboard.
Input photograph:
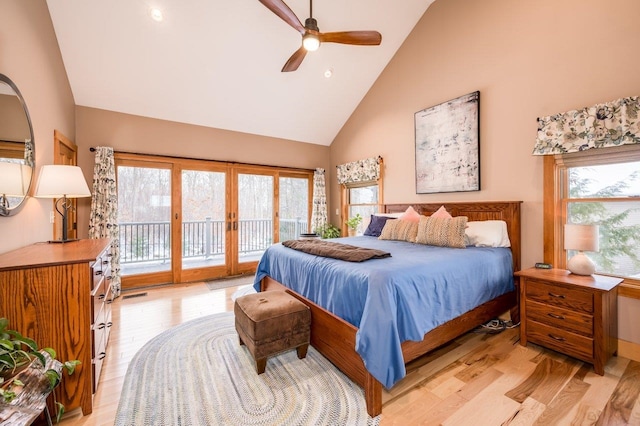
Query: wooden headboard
(509, 211)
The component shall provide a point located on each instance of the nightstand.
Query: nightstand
(573, 314)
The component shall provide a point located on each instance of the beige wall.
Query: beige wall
(130, 133)
(29, 55)
(527, 59)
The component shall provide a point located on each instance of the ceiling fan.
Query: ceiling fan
(311, 35)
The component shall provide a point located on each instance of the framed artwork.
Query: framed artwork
(448, 146)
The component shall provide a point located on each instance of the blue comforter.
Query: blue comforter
(395, 299)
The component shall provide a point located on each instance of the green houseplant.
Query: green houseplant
(328, 231)
(18, 352)
(353, 222)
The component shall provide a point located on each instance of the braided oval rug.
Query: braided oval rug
(197, 374)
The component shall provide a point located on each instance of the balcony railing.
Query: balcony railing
(151, 241)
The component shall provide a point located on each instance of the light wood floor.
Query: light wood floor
(476, 380)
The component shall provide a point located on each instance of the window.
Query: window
(362, 199)
(599, 186)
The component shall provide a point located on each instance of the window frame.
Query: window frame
(555, 206)
(344, 198)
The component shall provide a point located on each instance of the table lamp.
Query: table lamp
(581, 238)
(62, 182)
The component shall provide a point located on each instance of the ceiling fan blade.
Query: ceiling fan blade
(367, 38)
(295, 60)
(285, 13)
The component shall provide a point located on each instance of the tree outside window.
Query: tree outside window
(608, 195)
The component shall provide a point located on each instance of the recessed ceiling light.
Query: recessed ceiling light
(156, 15)
(328, 73)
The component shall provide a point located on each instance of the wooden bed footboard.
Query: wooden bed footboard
(336, 339)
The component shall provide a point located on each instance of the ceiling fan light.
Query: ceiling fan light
(310, 42)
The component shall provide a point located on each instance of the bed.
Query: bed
(354, 350)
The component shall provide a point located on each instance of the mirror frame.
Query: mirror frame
(14, 210)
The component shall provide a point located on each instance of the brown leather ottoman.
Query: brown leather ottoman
(271, 322)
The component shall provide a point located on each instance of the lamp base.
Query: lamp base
(580, 264)
(62, 241)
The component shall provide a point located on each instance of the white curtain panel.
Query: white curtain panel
(319, 210)
(103, 222)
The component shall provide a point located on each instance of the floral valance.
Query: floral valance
(598, 126)
(366, 170)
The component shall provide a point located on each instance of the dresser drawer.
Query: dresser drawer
(560, 296)
(101, 268)
(563, 341)
(560, 317)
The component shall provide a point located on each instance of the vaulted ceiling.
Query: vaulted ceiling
(217, 63)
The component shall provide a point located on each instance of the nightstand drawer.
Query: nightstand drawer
(560, 317)
(556, 295)
(560, 340)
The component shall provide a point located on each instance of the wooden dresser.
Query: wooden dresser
(573, 314)
(60, 295)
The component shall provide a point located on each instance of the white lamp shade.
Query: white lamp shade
(14, 179)
(581, 237)
(56, 181)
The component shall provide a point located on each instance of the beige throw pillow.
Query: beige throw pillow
(443, 232)
(401, 230)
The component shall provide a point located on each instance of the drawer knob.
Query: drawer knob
(559, 339)
(559, 296)
(556, 316)
(101, 297)
(109, 324)
(98, 272)
(101, 326)
(102, 355)
(104, 262)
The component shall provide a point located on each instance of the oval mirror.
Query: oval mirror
(17, 150)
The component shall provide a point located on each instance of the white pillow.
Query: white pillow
(488, 233)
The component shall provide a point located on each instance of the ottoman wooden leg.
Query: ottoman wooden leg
(302, 350)
(261, 364)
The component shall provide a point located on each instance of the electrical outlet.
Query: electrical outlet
(51, 217)
(337, 212)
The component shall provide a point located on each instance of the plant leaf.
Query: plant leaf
(41, 358)
(70, 366)
(54, 378)
(51, 352)
(60, 409)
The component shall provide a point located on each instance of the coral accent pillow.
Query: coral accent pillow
(443, 232)
(400, 230)
(411, 215)
(442, 212)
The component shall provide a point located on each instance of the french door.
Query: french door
(189, 220)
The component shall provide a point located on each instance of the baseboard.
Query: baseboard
(629, 350)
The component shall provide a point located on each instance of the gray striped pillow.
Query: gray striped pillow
(441, 231)
(401, 230)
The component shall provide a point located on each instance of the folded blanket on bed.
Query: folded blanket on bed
(336, 250)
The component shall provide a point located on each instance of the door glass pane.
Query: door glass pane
(255, 216)
(144, 214)
(294, 207)
(203, 219)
